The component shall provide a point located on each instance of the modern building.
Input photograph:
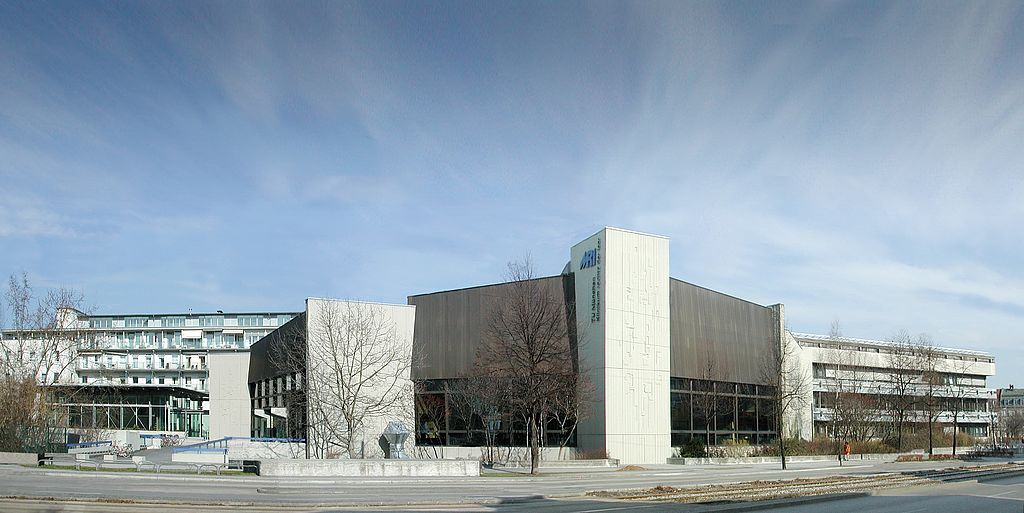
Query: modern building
(337, 364)
(644, 339)
(668, 361)
(152, 372)
(868, 372)
(1010, 399)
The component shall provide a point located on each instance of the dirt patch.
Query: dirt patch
(631, 468)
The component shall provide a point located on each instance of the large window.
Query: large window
(211, 320)
(446, 417)
(720, 411)
(101, 322)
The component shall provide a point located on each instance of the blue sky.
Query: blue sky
(856, 161)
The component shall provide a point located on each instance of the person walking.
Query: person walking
(846, 450)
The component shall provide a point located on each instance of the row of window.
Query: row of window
(143, 361)
(178, 321)
(720, 387)
(175, 340)
(186, 381)
(862, 373)
(443, 420)
(828, 400)
(725, 415)
(270, 392)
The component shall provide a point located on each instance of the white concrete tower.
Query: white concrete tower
(622, 314)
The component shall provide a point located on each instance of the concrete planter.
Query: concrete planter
(369, 468)
(606, 462)
(19, 458)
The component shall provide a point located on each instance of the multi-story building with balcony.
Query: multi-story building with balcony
(859, 381)
(150, 372)
(164, 349)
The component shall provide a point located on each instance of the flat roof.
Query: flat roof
(482, 286)
(194, 314)
(879, 343)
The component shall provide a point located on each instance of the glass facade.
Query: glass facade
(720, 411)
(443, 418)
(135, 409)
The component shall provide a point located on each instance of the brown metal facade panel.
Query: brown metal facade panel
(451, 325)
(261, 364)
(707, 324)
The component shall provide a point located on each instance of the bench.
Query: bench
(141, 461)
(213, 466)
(85, 459)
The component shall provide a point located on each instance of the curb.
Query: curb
(284, 507)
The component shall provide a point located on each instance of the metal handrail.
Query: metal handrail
(90, 444)
(222, 443)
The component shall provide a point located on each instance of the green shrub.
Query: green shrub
(694, 448)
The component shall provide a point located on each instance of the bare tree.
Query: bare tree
(788, 383)
(929, 402)
(705, 394)
(38, 348)
(956, 394)
(483, 400)
(431, 412)
(528, 348)
(571, 405)
(1013, 425)
(904, 373)
(355, 373)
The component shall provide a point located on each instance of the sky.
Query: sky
(860, 162)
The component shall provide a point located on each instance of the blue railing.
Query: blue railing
(221, 444)
(89, 444)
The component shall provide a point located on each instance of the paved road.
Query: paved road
(1002, 496)
(478, 494)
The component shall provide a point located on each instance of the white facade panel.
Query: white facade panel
(397, 321)
(229, 394)
(622, 307)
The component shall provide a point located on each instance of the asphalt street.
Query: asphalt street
(505, 494)
(1000, 496)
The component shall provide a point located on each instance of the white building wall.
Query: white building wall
(623, 319)
(400, 319)
(228, 384)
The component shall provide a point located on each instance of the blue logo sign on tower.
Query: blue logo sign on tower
(589, 259)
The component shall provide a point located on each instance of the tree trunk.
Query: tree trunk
(782, 442)
(931, 447)
(534, 443)
(954, 435)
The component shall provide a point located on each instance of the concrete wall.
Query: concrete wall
(230, 408)
(356, 324)
(622, 295)
(19, 458)
(256, 450)
(503, 455)
(369, 468)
